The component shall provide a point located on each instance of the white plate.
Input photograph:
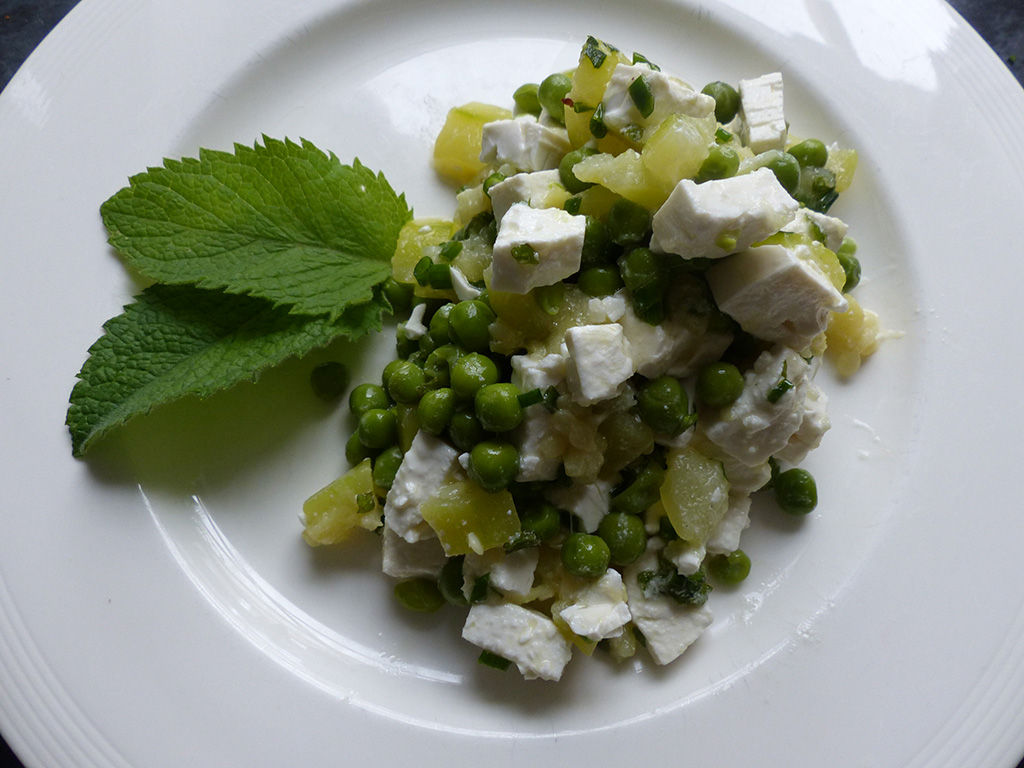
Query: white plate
(157, 607)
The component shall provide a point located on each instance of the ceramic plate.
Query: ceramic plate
(157, 605)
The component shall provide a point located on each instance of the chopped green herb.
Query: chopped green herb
(449, 250)
(494, 661)
(524, 253)
(597, 127)
(592, 50)
(666, 580)
(639, 58)
(722, 136)
(782, 386)
(642, 96)
(481, 588)
(532, 397)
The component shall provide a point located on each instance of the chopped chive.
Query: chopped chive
(597, 127)
(494, 661)
(579, 106)
(639, 58)
(722, 136)
(592, 50)
(522, 540)
(532, 397)
(422, 270)
(550, 397)
(642, 96)
(481, 587)
(450, 250)
(572, 205)
(490, 181)
(439, 276)
(782, 386)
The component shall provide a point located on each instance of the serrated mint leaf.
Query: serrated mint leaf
(175, 341)
(282, 221)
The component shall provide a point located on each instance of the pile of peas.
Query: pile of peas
(448, 382)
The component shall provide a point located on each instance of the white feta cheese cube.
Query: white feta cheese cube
(599, 362)
(726, 536)
(525, 637)
(684, 556)
(775, 294)
(596, 609)
(722, 216)
(414, 327)
(407, 560)
(420, 475)
(524, 143)
(510, 573)
(671, 96)
(813, 427)
(536, 247)
(669, 627)
(464, 290)
(588, 501)
(538, 370)
(540, 189)
(818, 226)
(540, 446)
(753, 428)
(762, 113)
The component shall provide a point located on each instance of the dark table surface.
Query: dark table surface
(24, 23)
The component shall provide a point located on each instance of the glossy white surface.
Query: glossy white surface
(157, 606)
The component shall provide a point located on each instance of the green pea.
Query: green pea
(727, 100)
(378, 428)
(585, 555)
(810, 152)
(625, 536)
(731, 568)
(599, 281)
(404, 346)
(469, 325)
(385, 466)
(542, 520)
(437, 366)
(550, 93)
(795, 491)
(598, 248)
(435, 410)
(450, 581)
(849, 263)
(493, 465)
(471, 372)
(628, 223)
(399, 295)
(355, 451)
(663, 405)
(721, 163)
(719, 384)
(328, 380)
(526, 99)
(439, 324)
(783, 165)
(406, 383)
(565, 172)
(420, 595)
(643, 491)
(643, 271)
(497, 407)
(464, 430)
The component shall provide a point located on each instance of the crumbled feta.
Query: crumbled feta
(813, 426)
(596, 608)
(599, 362)
(671, 96)
(414, 327)
(668, 627)
(407, 560)
(540, 189)
(548, 243)
(726, 536)
(541, 447)
(538, 370)
(607, 309)
(420, 475)
(684, 556)
(818, 226)
(524, 143)
(753, 428)
(525, 637)
(587, 501)
(722, 216)
(510, 573)
(775, 294)
(464, 290)
(762, 113)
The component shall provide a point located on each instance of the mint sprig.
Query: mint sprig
(283, 221)
(258, 255)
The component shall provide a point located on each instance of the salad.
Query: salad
(609, 347)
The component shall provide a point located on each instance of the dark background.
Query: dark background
(24, 24)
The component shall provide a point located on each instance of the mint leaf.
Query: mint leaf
(282, 221)
(175, 341)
